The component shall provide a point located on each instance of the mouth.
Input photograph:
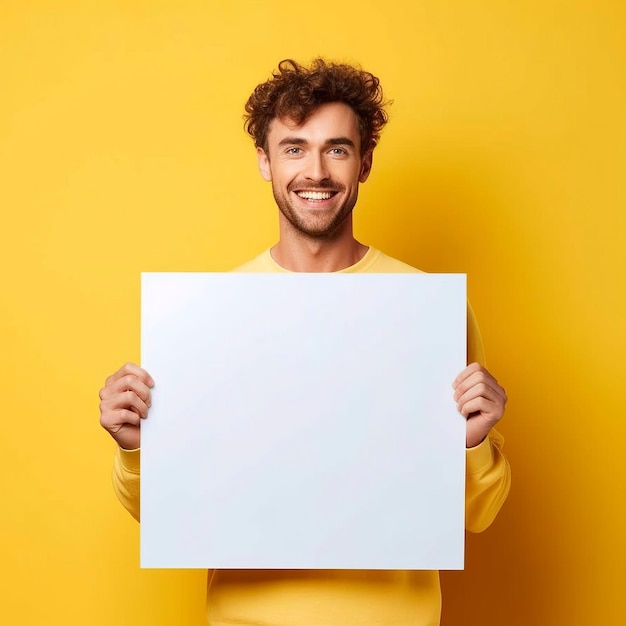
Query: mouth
(315, 196)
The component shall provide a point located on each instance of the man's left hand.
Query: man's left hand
(480, 399)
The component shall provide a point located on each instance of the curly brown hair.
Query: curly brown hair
(295, 91)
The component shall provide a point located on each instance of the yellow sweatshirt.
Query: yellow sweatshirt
(342, 597)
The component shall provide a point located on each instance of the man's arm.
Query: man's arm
(487, 482)
(481, 401)
(126, 480)
(124, 401)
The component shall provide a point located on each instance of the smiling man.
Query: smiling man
(315, 130)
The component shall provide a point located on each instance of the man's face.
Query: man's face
(315, 169)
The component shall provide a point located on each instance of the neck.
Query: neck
(298, 253)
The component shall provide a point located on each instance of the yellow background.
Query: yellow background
(122, 150)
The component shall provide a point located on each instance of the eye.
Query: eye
(338, 151)
(294, 150)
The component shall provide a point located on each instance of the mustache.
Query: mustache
(324, 185)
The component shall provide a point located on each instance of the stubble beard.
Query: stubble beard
(323, 226)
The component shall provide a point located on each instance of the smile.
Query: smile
(315, 195)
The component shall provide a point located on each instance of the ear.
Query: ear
(264, 164)
(366, 167)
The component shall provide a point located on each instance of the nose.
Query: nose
(316, 169)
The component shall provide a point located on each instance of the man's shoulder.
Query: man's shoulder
(377, 262)
(260, 264)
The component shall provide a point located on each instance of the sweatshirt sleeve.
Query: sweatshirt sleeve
(126, 479)
(487, 482)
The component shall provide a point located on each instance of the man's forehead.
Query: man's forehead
(327, 120)
(290, 122)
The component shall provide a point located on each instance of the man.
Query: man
(315, 130)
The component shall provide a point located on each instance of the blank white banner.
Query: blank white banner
(303, 421)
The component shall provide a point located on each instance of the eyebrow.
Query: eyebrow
(333, 141)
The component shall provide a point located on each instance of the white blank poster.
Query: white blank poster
(303, 421)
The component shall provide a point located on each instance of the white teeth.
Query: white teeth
(314, 195)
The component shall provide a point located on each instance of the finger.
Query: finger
(481, 406)
(130, 383)
(477, 390)
(472, 375)
(134, 370)
(127, 383)
(114, 420)
(486, 383)
(125, 400)
(472, 368)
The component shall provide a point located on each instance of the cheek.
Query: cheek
(355, 176)
(285, 172)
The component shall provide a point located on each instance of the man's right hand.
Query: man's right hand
(124, 402)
